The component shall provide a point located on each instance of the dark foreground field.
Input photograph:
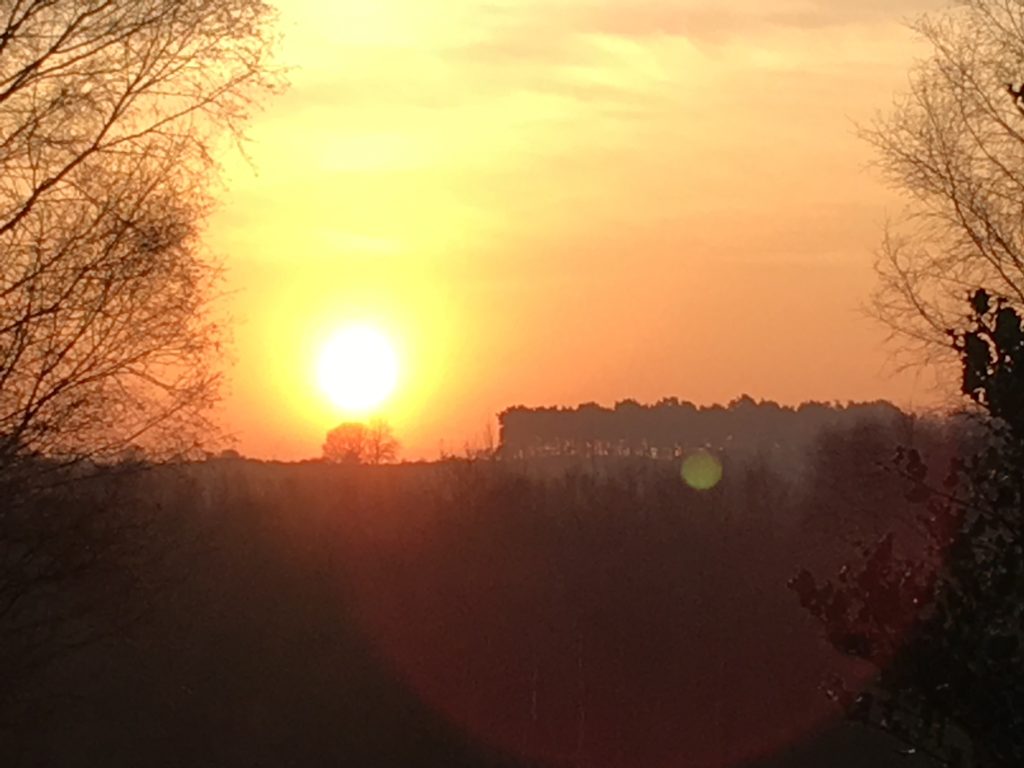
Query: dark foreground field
(454, 614)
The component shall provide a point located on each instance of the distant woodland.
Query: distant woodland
(671, 427)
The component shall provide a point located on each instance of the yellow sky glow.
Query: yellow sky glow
(562, 201)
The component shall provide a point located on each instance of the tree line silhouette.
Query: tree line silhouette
(671, 427)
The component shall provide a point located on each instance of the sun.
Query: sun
(358, 369)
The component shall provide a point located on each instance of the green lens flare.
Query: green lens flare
(702, 471)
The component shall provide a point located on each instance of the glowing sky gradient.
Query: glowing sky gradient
(557, 201)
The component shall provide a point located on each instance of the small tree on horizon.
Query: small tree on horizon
(354, 442)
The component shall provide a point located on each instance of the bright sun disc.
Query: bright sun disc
(358, 369)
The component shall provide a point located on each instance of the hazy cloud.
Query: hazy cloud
(623, 54)
(540, 30)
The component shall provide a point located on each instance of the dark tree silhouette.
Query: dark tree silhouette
(946, 627)
(669, 428)
(358, 443)
(109, 113)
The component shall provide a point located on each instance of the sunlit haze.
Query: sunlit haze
(559, 202)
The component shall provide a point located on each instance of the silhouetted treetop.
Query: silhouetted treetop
(357, 443)
(992, 354)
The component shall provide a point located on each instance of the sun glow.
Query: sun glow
(358, 369)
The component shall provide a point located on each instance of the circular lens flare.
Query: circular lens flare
(358, 369)
(702, 471)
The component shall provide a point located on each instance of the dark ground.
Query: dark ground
(332, 617)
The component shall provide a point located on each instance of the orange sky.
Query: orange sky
(556, 201)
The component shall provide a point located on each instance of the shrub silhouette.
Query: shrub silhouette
(358, 443)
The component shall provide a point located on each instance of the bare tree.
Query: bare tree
(357, 443)
(954, 144)
(109, 114)
(382, 446)
(109, 111)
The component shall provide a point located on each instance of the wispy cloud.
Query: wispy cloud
(538, 29)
